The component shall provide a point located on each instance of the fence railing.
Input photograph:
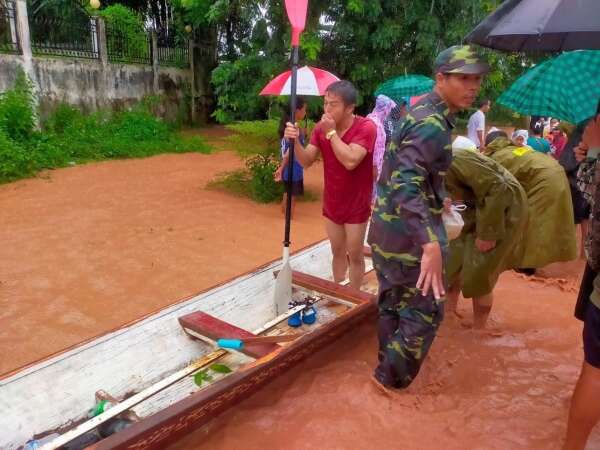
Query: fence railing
(64, 37)
(9, 39)
(74, 33)
(127, 47)
(173, 50)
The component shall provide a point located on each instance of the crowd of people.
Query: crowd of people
(399, 174)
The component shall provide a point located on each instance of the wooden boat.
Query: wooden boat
(147, 367)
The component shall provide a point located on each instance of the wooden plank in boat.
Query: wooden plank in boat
(214, 328)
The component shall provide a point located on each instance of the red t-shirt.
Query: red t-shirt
(347, 193)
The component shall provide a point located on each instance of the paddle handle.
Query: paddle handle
(293, 104)
(238, 344)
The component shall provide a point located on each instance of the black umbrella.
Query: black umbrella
(541, 25)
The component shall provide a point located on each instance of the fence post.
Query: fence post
(154, 61)
(101, 40)
(22, 20)
(193, 77)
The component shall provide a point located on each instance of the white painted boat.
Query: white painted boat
(148, 365)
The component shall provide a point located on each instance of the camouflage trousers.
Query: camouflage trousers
(407, 326)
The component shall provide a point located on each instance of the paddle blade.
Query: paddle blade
(283, 289)
(296, 11)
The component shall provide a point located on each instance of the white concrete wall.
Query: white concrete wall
(91, 85)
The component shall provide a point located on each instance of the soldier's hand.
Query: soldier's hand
(291, 132)
(448, 205)
(484, 246)
(431, 271)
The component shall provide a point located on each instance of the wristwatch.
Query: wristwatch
(330, 134)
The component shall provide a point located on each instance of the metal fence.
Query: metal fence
(9, 41)
(64, 36)
(173, 49)
(124, 46)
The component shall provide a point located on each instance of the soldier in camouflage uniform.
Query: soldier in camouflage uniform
(406, 235)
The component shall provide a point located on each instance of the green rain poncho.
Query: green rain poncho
(550, 235)
(496, 211)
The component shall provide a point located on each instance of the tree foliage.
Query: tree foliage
(364, 41)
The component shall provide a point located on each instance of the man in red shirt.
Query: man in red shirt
(345, 142)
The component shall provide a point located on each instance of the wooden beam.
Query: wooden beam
(214, 329)
(330, 288)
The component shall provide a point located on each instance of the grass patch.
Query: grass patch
(236, 182)
(70, 137)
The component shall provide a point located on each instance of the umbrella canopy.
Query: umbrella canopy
(567, 87)
(541, 25)
(405, 86)
(311, 81)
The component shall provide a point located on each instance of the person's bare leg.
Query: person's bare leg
(482, 306)
(337, 238)
(584, 231)
(452, 295)
(585, 411)
(355, 241)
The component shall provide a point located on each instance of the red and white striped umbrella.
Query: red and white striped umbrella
(311, 81)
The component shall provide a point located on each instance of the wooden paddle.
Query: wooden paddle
(238, 344)
(296, 11)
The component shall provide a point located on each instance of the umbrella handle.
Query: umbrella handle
(293, 103)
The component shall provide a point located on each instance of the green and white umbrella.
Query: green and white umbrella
(566, 87)
(405, 86)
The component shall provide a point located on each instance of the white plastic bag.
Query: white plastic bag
(453, 221)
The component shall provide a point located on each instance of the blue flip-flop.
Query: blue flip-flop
(309, 315)
(295, 320)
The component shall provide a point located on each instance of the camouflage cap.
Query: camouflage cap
(460, 59)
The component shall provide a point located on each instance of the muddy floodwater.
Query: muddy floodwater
(504, 389)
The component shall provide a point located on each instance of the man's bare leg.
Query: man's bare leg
(355, 238)
(452, 295)
(337, 237)
(585, 411)
(482, 306)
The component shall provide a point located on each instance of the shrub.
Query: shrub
(15, 162)
(126, 34)
(63, 116)
(263, 187)
(17, 113)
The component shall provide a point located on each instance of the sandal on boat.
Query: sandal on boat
(295, 320)
(309, 315)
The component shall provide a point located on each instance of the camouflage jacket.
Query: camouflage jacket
(588, 181)
(410, 192)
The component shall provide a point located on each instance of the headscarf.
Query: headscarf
(383, 106)
(522, 133)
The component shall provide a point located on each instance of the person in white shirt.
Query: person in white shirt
(476, 126)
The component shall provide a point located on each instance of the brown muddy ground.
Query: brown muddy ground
(87, 249)
(504, 389)
(90, 248)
